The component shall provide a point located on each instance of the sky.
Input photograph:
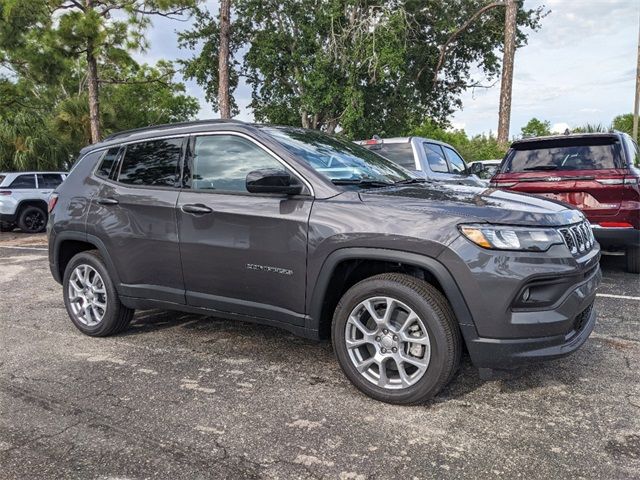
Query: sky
(578, 68)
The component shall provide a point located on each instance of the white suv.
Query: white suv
(24, 197)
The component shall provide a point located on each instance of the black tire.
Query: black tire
(633, 260)
(116, 316)
(32, 219)
(435, 312)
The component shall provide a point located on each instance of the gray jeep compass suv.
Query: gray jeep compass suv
(301, 230)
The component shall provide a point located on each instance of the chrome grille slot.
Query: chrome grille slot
(578, 238)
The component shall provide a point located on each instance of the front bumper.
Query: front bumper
(496, 353)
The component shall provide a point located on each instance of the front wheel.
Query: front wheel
(633, 260)
(90, 297)
(396, 338)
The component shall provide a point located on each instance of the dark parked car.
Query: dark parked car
(262, 223)
(596, 172)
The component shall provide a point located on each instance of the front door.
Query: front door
(241, 252)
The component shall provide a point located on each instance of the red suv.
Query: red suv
(596, 172)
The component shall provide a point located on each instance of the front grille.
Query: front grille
(578, 238)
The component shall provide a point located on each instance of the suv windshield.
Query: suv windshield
(338, 160)
(570, 154)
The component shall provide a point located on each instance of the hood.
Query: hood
(477, 204)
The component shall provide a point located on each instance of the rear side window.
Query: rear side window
(222, 162)
(435, 157)
(570, 154)
(24, 181)
(153, 163)
(49, 180)
(108, 162)
(400, 153)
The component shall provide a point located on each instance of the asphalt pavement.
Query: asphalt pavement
(190, 397)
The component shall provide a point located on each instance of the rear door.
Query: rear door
(47, 183)
(23, 187)
(587, 172)
(134, 214)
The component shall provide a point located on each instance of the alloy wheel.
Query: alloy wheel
(87, 295)
(387, 343)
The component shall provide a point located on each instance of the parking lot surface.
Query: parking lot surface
(185, 396)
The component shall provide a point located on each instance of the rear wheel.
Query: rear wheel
(91, 299)
(633, 260)
(396, 338)
(32, 219)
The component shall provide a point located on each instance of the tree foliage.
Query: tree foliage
(477, 147)
(536, 128)
(44, 104)
(356, 65)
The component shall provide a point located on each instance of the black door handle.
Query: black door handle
(107, 201)
(196, 209)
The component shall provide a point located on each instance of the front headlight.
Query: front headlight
(512, 238)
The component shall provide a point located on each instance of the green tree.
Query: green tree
(44, 35)
(536, 128)
(362, 66)
(623, 123)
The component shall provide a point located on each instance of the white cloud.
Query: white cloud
(559, 127)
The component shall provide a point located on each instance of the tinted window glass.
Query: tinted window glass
(337, 159)
(2, 178)
(633, 150)
(222, 162)
(49, 180)
(152, 163)
(108, 162)
(455, 161)
(400, 153)
(584, 156)
(435, 157)
(24, 181)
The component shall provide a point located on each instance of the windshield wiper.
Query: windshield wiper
(409, 181)
(542, 167)
(361, 183)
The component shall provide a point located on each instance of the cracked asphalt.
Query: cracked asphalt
(190, 397)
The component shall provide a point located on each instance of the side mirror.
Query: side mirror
(476, 168)
(270, 180)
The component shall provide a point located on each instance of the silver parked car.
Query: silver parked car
(431, 159)
(24, 197)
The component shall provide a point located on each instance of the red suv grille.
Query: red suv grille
(578, 238)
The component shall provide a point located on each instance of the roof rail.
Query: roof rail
(164, 126)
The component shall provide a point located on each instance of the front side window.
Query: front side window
(153, 163)
(222, 162)
(24, 182)
(49, 180)
(435, 157)
(108, 162)
(339, 160)
(455, 160)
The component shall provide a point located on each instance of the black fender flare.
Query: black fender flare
(430, 264)
(87, 238)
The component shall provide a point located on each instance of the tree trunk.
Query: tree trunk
(92, 83)
(504, 116)
(223, 59)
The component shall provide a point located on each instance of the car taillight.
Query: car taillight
(615, 225)
(53, 199)
(5, 192)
